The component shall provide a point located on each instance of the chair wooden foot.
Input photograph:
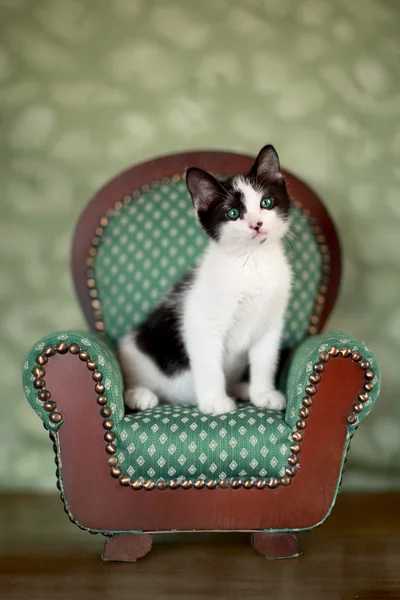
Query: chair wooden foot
(127, 547)
(276, 545)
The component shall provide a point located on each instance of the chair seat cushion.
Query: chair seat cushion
(179, 442)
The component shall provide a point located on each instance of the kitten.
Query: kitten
(229, 311)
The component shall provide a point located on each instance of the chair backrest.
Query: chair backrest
(138, 236)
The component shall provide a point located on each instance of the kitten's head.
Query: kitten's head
(243, 210)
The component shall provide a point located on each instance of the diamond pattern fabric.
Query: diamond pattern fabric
(152, 241)
(179, 442)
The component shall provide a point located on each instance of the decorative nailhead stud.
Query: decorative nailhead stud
(136, 484)
(55, 417)
(311, 390)
(351, 419)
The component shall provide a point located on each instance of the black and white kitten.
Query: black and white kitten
(229, 311)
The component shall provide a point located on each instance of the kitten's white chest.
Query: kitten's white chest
(256, 308)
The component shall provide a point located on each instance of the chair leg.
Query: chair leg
(127, 547)
(276, 545)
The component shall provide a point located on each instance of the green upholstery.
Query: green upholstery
(179, 442)
(152, 241)
(99, 350)
(301, 366)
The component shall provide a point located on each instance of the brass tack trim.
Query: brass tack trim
(44, 395)
(162, 485)
(356, 356)
(307, 401)
(260, 484)
(136, 484)
(99, 387)
(125, 481)
(272, 483)
(311, 390)
(108, 424)
(112, 461)
(351, 419)
(315, 378)
(364, 364)
(38, 372)
(73, 348)
(345, 352)
(333, 351)
(186, 484)
(291, 471)
(319, 367)
(297, 436)
(91, 365)
(363, 397)
(301, 424)
(248, 484)
(84, 355)
(325, 356)
(368, 386)
(109, 436)
(41, 359)
(97, 376)
(115, 472)
(149, 485)
(55, 417)
(224, 484)
(49, 406)
(236, 483)
(357, 407)
(111, 449)
(293, 460)
(295, 448)
(369, 374)
(285, 480)
(62, 348)
(174, 484)
(304, 412)
(106, 411)
(211, 484)
(39, 384)
(102, 400)
(49, 351)
(199, 484)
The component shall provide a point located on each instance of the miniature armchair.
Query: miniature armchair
(130, 475)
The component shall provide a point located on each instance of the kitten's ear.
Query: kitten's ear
(203, 188)
(267, 165)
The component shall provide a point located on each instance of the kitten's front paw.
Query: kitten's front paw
(140, 398)
(217, 406)
(272, 399)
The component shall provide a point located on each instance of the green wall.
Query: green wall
(88, 88)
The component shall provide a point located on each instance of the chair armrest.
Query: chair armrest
(314, 350)
(101, 361)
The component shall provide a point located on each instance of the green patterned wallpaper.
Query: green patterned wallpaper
(88, 88)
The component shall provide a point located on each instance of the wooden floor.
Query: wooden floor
(355, 554)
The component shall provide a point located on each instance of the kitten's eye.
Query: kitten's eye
(267, 203)
(233, 214)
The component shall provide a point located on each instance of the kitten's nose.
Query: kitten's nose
(257, 226)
